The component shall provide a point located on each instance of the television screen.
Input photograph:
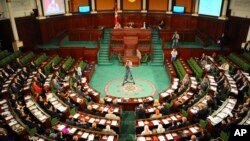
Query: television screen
(210, 7)
(178, 9)
(84, 9)
(53, 7)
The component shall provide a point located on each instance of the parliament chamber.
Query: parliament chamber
(61, 73)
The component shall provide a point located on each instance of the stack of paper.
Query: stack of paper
(164, 94)
(110, 138)
(140, 123)
(169, 137)
(155, 122)
(161, 138)
(114, 123)
(173, 118)
(72, 130)
(91, 120)
(165, 121)
(85, 135)
(193, 130)
(76, 115)
(102, 121)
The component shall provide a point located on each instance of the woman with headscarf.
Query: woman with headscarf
(157, 114)
(109, 130)
(146, 131)
(160, 129)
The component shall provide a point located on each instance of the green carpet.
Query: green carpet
(156, 75)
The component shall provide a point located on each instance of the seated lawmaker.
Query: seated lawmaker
(36, 87)
(111, 115)
(140, 112)
(108, 130)
(160, 129)
(184, 122)
(225, 67)
(157, 114)
(17, 64)
(165, 110)
(9, 69)
(57, 86)
(146, 130)
(95, 128)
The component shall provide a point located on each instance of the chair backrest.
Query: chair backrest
(72, 111)
(53, 121)
(203, 124)
(32, 131)
(184, 113)
(224, 136)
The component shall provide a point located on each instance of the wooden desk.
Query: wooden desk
(129, 104)
(84, 134)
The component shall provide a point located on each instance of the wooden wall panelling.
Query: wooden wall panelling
(74, 4)
(186, 3)
(158, 5)
(182, 22)
(136, 5)
(154, 19)
(104, 19)
(237, 31)
(137, 18)
(102, 5)
(46, 31)
(26, 31)
(211, 27)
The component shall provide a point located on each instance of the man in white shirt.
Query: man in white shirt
(174, 54)
(175, 39)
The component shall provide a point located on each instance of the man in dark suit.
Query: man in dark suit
(14, 89)
(41, 75)
(201, 114)
(224, 89)
(222, 41)
(24, 72)
(165, 110)
(82, 123)
(9, 70)
(184, 123)
(242, 90)
(17, 64)
(32, 66)
(140, 112)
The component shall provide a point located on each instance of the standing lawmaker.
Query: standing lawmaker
(175, 39)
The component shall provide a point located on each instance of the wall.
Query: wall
(240, 8)
(158, 5)
(74, 4)
(186, 3)
(105, 5)
(21, 8)
(136, 5)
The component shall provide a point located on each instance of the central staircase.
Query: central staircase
(104, 48)
(158, 55)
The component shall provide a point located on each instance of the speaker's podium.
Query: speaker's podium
(130, 47)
